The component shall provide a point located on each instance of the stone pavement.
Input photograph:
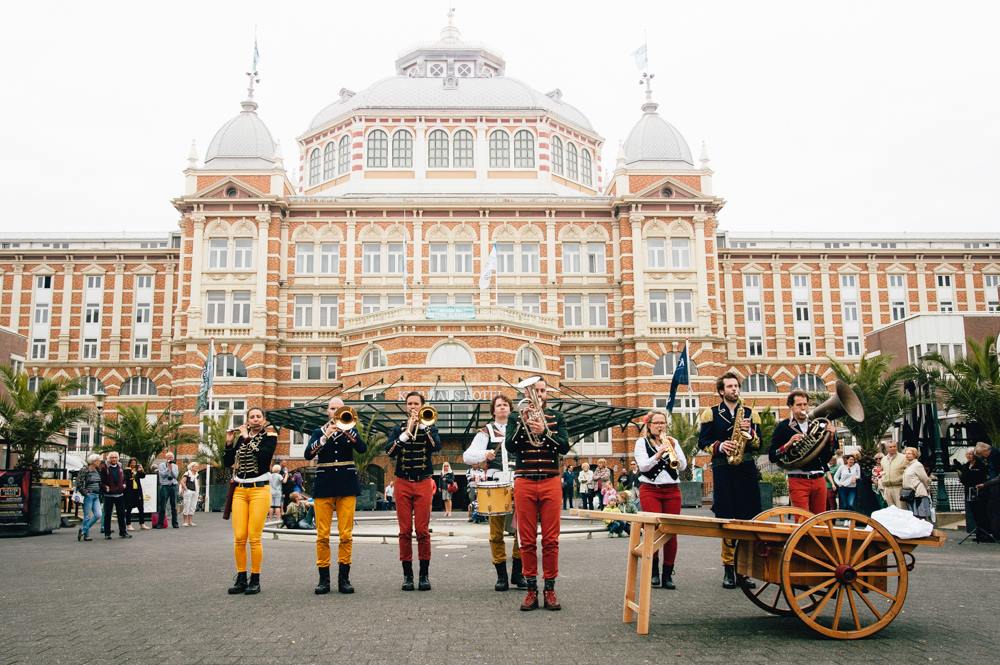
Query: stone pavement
(160, 598)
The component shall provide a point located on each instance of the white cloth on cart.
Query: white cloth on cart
(902, 523)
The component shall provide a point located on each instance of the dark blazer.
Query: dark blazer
(413, 458)
(113, 479)
(716, 426)
(264, 452)
(784, 431)
(139, 475)
(335, 480)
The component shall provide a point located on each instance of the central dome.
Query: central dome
(243, 142)
(654, 142)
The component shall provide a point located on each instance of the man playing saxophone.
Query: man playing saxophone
(735, 491)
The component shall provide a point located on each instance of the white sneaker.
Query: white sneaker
(192, 524)
(185, 524)
(131, 528)
(146, 526)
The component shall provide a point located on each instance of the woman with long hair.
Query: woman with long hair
(447, 479)
(134, 473)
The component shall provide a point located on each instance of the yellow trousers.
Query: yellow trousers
(728, 552)
(497, 529)
(250, 506)
(324, 507)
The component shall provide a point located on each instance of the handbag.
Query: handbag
(77, 497)
(227, 508)
(452, 487)
(907, 494)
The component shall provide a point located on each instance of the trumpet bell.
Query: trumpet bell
(427, 415)
(345, 417)
(530, 381)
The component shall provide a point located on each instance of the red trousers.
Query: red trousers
(807, 493)
(538, 499)
(413, 504)
(662, 499)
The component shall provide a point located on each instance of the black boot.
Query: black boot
(407, 576)
(324, 581)
(253, 586)
(746, 582)
(424, 581)
(239, 584)
(656, 570)
(343, 578)
(516, 578)
(502, 582)
(668, 576)
(728, 577)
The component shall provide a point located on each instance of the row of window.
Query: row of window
(135, 386)
(92, 282)
(90, 348)
(803, 346)
(762, 383)
(574, 164)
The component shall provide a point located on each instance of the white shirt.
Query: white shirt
(476, 452)
(847, 477)
(646, 463)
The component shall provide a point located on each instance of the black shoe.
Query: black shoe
(746, 582)
(343, 578)
(424, 580)
(668, 577)
(107, 536)
(239, 584)
(79, 535)
(656, 575)
(516, 578)
(728, 577)
(407, 576)
(125, 535)
(253, 586)
(502, 582)
(87, 539)
(324, 581)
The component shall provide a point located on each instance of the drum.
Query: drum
(495, 498)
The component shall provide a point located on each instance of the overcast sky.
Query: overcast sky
(845, 116)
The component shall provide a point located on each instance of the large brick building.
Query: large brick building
(365, 274)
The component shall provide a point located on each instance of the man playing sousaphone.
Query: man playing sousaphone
(488, 446)
(336, 489)
(411, 445)
(537, 436)
(806, 484)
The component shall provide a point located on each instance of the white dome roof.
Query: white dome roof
(242, 143)
(498, 93)
(654, 142)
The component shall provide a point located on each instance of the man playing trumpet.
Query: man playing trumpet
(411, 445)
(336, 489)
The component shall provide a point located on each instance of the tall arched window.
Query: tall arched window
(557, 155)
(524, 150)
(402, 150)
(314, 166)
(137, 385)
(344, 155)
(373, 358)
(451, 354)
(378, 149)
(89, 385)
(759, 383)
(462, 147)
(586, 168)
(229, 366)
(528, 357)
(808, 382)
(499, 150)
(329, 161)
(572, 171)
(437, 149)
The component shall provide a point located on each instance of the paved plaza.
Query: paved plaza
(160, 598)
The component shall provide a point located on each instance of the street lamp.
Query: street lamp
(99, 402)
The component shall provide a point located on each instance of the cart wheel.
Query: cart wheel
(769, 596)
(863, 571)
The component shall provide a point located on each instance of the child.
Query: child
(615, 527)
(275, 482)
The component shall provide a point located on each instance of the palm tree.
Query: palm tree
(213, 443)
(135, 436)
(375, 441)
(29, 419)
(686, 434)
(971, 385)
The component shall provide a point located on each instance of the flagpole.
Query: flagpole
(211, 387)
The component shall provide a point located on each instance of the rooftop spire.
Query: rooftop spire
(252, 74)
(450, 33)
(647, 80)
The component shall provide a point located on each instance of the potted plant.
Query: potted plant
(686, 434)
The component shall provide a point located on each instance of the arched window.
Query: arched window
(314, 166)
(229, 366)
(372, 359)
(88, 386)
(462, 147)
(329, 161)
(759, 383)
(344, 155)
(402, 150)
(524, 150)
(572, 171)
(586, 168)
(378, 149)
(499, 150)
(137, 385)
(557, 155)
(451, 354)
(528, 357)
(667, 364)
(437, 149)
(808, 382)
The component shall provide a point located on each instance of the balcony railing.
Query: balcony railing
(227, 332)
(450, 313)
(671, 331)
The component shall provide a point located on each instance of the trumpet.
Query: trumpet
(666, 440)
(426, 416)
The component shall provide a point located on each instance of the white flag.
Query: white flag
(639, 54)
(489, 269)
(207, 378)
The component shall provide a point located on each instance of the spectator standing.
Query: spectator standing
(831, 486)
(296, 477)
(286, 483)
(113, 487)
(88, 483)
(168, 474)
(916, 485)
(134, 473)
(893, 465)
(447, 481)
(602, 480)
(389, 492)
(990, 456)
(630, 481)
(277, 492)
(971, 475)
(586, 481)
(568, 482)
(191, 491)
(846, 479)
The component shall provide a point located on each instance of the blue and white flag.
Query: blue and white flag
(641, 60)
(489, 269)
(680, 378)
(207, 376)
(256, 57)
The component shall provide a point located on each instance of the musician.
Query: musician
(250, 448)
(658, 488)
(488, 447)
(538, 491)
(735, 490)
(414, 489)
(336, 489)
(806, 484)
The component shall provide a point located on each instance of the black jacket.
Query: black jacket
(784, 431)
(139, 475)
(341, 480)
(264, 452)
(412, 459)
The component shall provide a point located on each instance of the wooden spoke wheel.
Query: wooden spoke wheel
(769, 596)
(859, 575)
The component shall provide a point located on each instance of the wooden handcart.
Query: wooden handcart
(841, 573)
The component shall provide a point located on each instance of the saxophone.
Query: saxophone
(739, 437)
